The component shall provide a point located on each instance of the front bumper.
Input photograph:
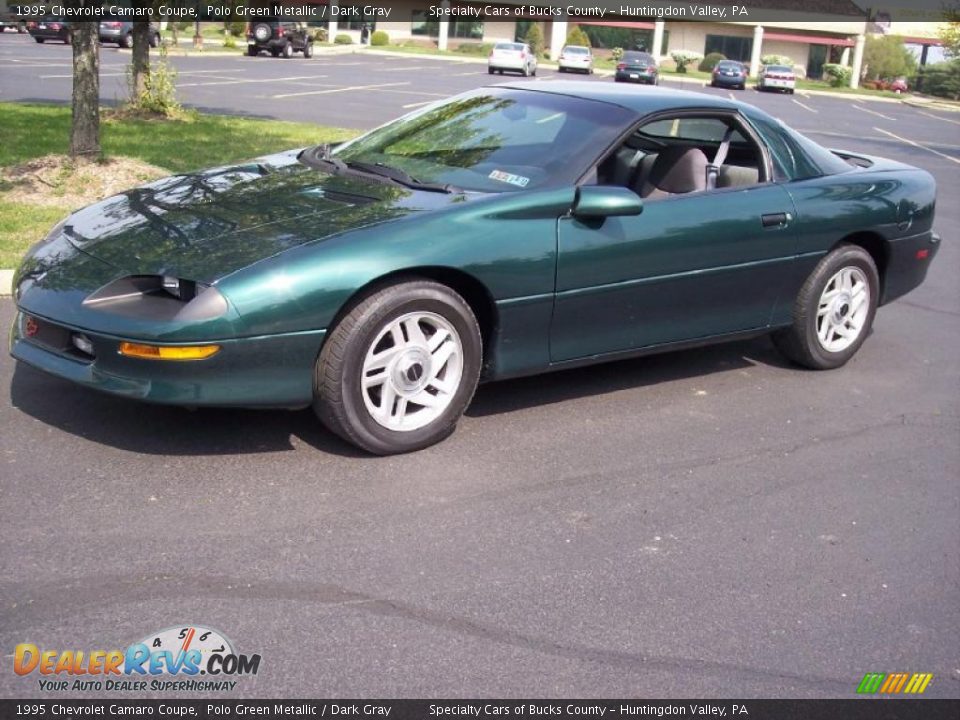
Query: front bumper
(265, 371)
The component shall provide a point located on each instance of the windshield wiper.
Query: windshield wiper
(321, 155)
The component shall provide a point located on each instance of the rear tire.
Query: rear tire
(417, 340)
(308, 50)
(253, 51)
(834, 310)
(287, 51)
(39, 40)
(490, 71)
(126, 41)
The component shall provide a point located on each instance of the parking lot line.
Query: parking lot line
(231, 81)
(937, 117)
(417, 104)
(804, 105)
(349, 88)
(951, 158)
(873, 112)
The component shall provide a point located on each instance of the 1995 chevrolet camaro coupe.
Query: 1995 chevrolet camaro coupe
(504, 232)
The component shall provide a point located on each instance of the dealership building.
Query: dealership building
(839, 37)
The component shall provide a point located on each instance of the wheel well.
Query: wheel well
(874, 244)
(465, 285)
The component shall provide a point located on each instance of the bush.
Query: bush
(837, 75)
(473, 48)
(343, 39)
(535, 39)
(159, 96)
(576, 36)
(942, 79)
(617, 53)
(710, 62)
(379, 37)
(237, 29)
(776, 60)
(319, 35)
(684, 57)
(229, 41)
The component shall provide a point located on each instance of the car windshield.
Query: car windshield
(494, 140)
(778, 68)
(729, 65)
(576, 51)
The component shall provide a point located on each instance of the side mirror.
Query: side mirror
(602, 201)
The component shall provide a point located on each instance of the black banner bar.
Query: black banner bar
(512, 709)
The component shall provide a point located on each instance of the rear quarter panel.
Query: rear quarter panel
(892, 202)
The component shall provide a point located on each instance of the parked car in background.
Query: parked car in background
(729, 73)
(576, 58)
(11, 23)
(777, 77)
(281, 38)
(50, 27)
(121, 33)
(514, 57)
(638, 67)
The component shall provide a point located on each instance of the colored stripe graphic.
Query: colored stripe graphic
(894, 683)
(871, 683)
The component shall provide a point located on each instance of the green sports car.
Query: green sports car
(507, 231)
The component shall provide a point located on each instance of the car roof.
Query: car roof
(645, 101)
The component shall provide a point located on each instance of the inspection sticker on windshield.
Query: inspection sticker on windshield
(518, 180)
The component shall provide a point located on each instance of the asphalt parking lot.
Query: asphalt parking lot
(712, 522)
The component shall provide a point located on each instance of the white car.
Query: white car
(777, 77)
(576, 58)
(512, 56)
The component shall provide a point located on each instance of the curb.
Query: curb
(6, 282)
(934, 104)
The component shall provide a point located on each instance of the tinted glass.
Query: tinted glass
(709, 129)
(496, 140)
(508, 46)
(795, 157)
(575, 50)
(639, 57)
(778, 68)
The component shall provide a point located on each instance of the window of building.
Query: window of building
(463, 29)
(733, 48)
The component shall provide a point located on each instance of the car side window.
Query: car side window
(683, 155)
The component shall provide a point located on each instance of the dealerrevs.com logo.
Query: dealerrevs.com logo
(187, 658)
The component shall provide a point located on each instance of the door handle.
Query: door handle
(776, 219)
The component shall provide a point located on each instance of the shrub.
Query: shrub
(379, 37)
(684, 57)
(159, 96)
(319, 35)
(942, 79)
(710, 62)
(837, 75)
(576, 36)
(236, 28)
(887, 57)
(617, 53)
(343, 39)
(535, 39)
(474, 48)
(229, 41)
(776, 60)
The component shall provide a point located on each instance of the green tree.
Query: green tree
(950, 37)
(535, 39)
(576, 36)
(887, 57)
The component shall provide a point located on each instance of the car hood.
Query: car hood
(205, 225)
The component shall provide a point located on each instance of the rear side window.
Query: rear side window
(691, 128)
(795, 157)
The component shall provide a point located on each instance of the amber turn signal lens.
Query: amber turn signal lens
(168, 352)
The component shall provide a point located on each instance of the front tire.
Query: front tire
(398, 371)
(834, 310)
(287, 51)
(308, 50)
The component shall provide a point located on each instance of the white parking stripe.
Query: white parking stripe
(349, 88)
(804, 105)
(417, 104)
(937, 117)
(872, 112)
(951, 158)
(251, 80)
